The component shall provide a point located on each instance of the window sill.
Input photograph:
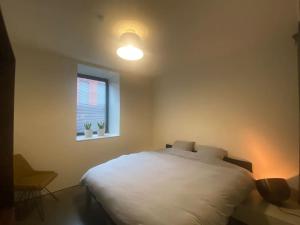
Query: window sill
(95, 136)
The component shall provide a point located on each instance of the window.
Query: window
(92, 102)
(98, 99)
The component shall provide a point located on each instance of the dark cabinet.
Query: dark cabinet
(7, 82)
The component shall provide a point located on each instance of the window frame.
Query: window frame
(106, 81)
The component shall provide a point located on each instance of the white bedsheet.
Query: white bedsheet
(159, 188)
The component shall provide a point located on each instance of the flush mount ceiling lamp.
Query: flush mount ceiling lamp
(130, 47)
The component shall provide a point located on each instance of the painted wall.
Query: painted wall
(233, 83)
(229, 79)
(45, 117)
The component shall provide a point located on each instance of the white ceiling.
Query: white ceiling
(76, 28)
(174, 31)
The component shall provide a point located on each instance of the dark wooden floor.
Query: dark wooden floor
(69, 210)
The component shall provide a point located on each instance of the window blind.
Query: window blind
(91, 103)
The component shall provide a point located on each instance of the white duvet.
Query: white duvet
(168, 188)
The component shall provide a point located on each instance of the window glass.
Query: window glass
(92, 102)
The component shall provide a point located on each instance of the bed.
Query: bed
(173, 186)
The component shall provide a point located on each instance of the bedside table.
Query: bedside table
(256, 211)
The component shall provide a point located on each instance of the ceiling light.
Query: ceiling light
(130, 47)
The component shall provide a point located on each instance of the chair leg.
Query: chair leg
(22, 203)
(31, 199)
(52, 195)
(27, 200)
(39, 205)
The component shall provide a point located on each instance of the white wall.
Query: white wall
(229, 79)
(45, 117)
(233, 84)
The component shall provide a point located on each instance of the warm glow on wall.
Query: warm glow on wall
(130, 47)
(268, 159)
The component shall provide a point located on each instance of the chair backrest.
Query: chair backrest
(21, 167)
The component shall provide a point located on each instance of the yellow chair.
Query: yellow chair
(31, 182)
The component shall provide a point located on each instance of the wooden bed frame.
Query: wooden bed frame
(108, 220)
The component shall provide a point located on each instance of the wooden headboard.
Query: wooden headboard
(242, 163)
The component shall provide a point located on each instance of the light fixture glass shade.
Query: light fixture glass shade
(130, 52)
(129, 48)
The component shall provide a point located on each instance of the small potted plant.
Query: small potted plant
(101, 128)
(88, 132)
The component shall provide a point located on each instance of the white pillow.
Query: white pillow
(210, 152)
(201, 156)
(184, 145)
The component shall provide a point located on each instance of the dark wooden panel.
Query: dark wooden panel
(7, 216)
(7, 82)
(168, 146)
(298, 42)
(244, 164)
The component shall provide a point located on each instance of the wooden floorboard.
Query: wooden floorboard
(69, 210)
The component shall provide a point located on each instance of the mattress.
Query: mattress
(163, 188)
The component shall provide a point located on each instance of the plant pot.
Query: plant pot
(88, 133)
(101, 132)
